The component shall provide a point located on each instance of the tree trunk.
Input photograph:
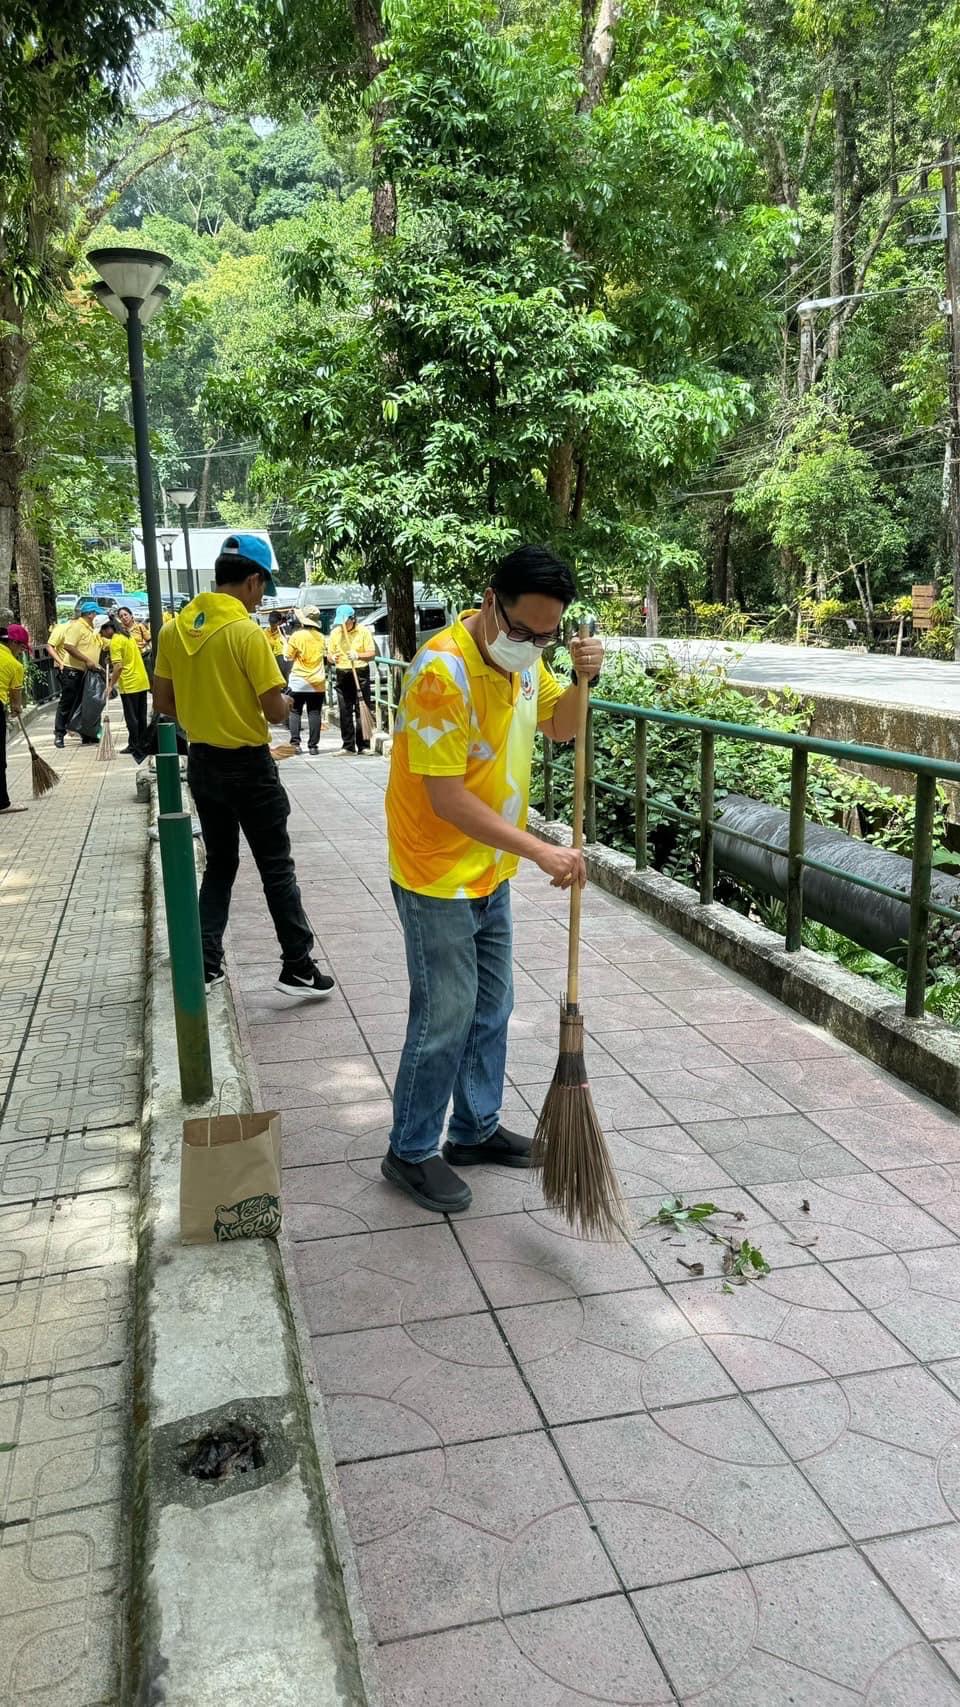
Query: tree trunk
(368, 24)
(560, 481)
(33, 611)
(847, 198)
(599, 23)
(203, 496)
(401, 615)
(653, 611)
(13, 369)
(720, 562)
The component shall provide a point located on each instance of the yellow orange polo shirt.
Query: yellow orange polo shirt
(306, 650)
(55, 642)
(345, 647)
(79, 634)
(458, 716)
(133, 676)
(11, 674)
(274, 640)
(219, 663)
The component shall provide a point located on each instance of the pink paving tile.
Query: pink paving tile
(845, 1082)
(619, 1102)
(806, 1329)
(530, 1258)
(305, 1144)
(322, 1086)
(326, 1201)
(923, 1571)
(664, 1160)
(623, 1351)
(595, 1651)
(773, 1149)
(672, 1508)
(711, 1093)
(499, 1532)
(599, 981)
(307, 1041)
(872, 1445)
(853, 1215)
(934, 1187)
(665, 1249)
(658, 974)
(660, 1049)
(813, 1632)
(431, 1384)
(532, 1060)
(915, 1293)
(629, 1011)
(719, 1003)
(774, 1039)
(379, 1279)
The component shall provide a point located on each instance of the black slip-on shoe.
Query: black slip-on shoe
(431, 1183)
(306, 980)
(505, 1149)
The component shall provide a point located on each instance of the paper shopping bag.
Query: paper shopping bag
(230, 1178)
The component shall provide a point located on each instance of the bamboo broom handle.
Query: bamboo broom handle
(579, 794)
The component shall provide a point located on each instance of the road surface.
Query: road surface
(878, 678)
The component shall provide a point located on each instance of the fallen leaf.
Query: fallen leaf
(726, 1288)
(805, 1206)
(805, 1240)
(692, 1267)
(8, 1445)
(727, 1260)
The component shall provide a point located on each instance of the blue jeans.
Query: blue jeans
(460, 960)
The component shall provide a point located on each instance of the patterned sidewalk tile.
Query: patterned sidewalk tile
(53, 1326)
(61, 1588)
(69, 1434)
(67, 1234)
(32, 1169)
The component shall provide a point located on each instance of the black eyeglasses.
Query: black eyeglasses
(526, 636)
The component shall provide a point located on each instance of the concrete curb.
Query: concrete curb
(926, 1052)
(238, 1590)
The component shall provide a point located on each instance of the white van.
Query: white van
(432, 613)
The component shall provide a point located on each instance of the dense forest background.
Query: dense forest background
(447, 273)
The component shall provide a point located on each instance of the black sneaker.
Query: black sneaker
(314, 752)
(213, 975)
(506, 1149)
(59, 741)
(305, 979)
(431, 1183)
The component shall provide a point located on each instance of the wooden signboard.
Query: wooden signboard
(924, 596)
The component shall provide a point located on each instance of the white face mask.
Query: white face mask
(512, 655)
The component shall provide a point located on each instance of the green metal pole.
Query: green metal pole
(795, 847)
(548, 803)
(920, 895)
(707, 769)
(590, 825)
(169, 797)
(640, 793)
(186, 956)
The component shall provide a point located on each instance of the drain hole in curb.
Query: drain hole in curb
(232, 1449)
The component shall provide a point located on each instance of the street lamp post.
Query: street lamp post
(183, 498)
(166, 539)
(131, 291)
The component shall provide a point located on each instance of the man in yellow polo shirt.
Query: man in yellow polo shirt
(472, 702)
(216, 675)
(14, 641)
(81, 649)
(350, 648)
(128, 672)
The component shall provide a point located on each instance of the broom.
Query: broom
(43, 776)
(105, 750)
(578, 1176)
(366, 720)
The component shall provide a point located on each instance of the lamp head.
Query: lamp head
(130, 273)
(182, 497)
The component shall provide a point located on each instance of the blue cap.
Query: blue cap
(254, 551)
(343, 614)
(89, 607)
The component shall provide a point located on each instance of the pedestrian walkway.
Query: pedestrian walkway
(71, 1027)
(582, 1472)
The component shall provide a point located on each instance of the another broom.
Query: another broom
(105, 750)
(367, 724)
(578, 1176)
(42, 775)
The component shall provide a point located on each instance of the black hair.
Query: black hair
(533, 569)
(229, 571)
(273, 615)
(122, 608)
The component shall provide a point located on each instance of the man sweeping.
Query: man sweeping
(14, 642)
(81, 650)
(128, 673)
(472, 702)
(351, 648)
(216, 674)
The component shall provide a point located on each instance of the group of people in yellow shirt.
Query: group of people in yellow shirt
(302, 658)
(79, 646)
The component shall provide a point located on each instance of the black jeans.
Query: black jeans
(71, 693)
(135, 718)
(239, 788)
(314, 704)
(4, 796)
(351, 729)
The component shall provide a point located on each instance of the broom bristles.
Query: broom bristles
(367, 724)
(105, 750)
(43, 777)
(578, 1176)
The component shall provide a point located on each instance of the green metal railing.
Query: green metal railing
(387, 681)
(177, 862)
(927, 771)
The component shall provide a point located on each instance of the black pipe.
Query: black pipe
(141, 439)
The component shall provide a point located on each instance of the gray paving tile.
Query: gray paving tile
(773, 1040)
(60, 1609)
(853, 1215)
(56, 1325)
(32, 1169)
(773, 1149)
(68, 1436)
(915, 1293)
(923, 1571)
(66, 1234)
(372, 1280)
(531, 1258)
(901, 1133)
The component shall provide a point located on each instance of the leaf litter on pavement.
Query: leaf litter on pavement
(740, 1261)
